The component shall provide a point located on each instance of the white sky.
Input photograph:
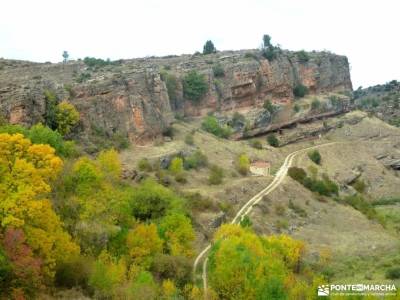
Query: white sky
(366, 31)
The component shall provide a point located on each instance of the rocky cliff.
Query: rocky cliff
(131, 96)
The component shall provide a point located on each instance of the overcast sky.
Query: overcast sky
(366, 31)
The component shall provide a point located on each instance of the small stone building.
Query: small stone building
(260, 168)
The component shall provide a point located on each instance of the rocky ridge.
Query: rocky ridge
(130, 97)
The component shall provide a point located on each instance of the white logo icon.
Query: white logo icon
(323, 290)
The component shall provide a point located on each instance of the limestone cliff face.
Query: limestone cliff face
(128, 97)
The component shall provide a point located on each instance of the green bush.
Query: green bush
(315, 156)
(84, 76)
(358, 202)
(13, 129)
(269, 107)
(238, 119)
(144, 165)
(40, 134)
(151, 200)
(303, 56)
(315, 104)
(171, 83)
(246, 222)
(256, 144)
(96, 62)
(51, 102)
(209, 48)
(359, 185)
(296, 108)
(194, 86)
(393, 273)
(211, 125)
(189, 140)
(297, 174)
(218, 71)
(196, 160)
(300, 90)
(216, 175)
(251, 55)
(273, 140)
(324, 187)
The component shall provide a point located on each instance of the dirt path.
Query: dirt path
(248, 206)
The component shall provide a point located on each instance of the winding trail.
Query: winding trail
(248, 206)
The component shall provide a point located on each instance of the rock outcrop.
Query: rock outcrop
(130, 97)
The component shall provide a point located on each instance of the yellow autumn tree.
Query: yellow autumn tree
(144, 243)
(26, 171)
(66, 117)
(177, 231)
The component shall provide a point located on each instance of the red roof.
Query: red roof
(261, 164)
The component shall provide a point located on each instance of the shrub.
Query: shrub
(303, 56)
(268, 50)
(40, 134)
(256, 144)
(189, 140)
(144, 165)
(300, 90)
(296, 108)
(359, 185)
(238, 119)
(84, 76)
(273, 140)
(152, 201)
(269, 106)
(171, 83)
(280, 210)
(209, 48)
(218, 71)
(393, 273)
(178, 268)
(210, 124)
(176, 166)
(13, 129)
(297, 209)
(216, 175)
(315, 156)
(194, 86)
(297, 174)
(196, 160)
(358, 202)
(315, 104)
(325, 187)
(243, 164)
(96, 62)
(251, 55)
(181, 177)
(51, 109)
(246, 222)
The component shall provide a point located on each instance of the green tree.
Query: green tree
(65, 56)
(300, 90)
(194, 86)
(315, 156)
(273, 140)
(209, 48)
